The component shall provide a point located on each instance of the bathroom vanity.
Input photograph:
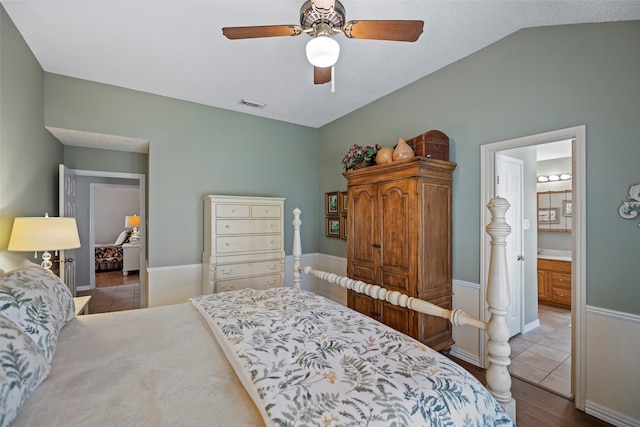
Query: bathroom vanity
(554, 277)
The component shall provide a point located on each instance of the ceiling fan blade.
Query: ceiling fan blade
(402, 31)
(321, 75)
(235, 33)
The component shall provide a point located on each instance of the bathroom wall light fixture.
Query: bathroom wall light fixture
(554, 177)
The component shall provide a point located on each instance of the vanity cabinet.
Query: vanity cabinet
(554, 282)
(399, 237)
(243, 243)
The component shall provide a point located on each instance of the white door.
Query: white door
(67, 208)
(508, 184)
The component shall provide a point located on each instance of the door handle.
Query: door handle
(520, 258)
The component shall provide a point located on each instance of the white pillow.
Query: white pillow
(23, 368)
(121, 238)
(36, 301)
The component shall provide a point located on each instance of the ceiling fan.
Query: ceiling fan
(322, 20)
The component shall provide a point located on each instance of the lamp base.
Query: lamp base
(46, 260)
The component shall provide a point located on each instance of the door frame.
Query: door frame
(143, 220)
(578, 236)
(92, 224)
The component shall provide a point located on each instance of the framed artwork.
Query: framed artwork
(332, 226)
(548, 216)
(343, 201)
(567, 207)
(331, 203)
(343, 227)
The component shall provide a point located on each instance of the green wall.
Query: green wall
(533, 81)
(105, 160)
(194, 150)
(29, 154)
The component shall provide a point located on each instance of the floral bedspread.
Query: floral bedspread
(314, 362)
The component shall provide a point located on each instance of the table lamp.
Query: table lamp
(133, 221)
(43, 234)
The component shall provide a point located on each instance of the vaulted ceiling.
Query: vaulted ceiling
(176, 48)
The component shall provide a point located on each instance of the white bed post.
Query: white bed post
(297, 247)
(498, 300)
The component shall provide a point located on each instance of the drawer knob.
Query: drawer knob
(562, 280)
(226, 244)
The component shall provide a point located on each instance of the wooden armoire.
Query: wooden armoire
(399, 237)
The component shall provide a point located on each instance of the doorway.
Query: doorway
(578, 314)
(85, 220)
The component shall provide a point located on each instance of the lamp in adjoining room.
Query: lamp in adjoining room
(44, 234)
(133, 222)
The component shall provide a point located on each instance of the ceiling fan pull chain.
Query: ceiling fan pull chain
(333, 80)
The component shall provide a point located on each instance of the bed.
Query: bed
(109, 256)
(281, 356)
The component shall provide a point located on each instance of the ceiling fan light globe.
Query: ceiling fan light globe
(323, 51)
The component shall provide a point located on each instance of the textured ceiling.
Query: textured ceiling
(176, 48)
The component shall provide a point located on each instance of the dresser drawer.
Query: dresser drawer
(248, 226)
(262, 282)
(233, 211)
(228, 244)
(231, 271)
(265, 211)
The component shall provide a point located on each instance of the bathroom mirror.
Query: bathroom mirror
(554, 211)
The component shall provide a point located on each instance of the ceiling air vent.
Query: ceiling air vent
(252, 104)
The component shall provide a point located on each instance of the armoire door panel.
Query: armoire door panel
(366, 273)
(362, 205)
(395, 213)
(435, 268)
(395, 317)
(363, 304)
(395, 281)
(435, 331)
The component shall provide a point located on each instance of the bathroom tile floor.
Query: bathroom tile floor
(543, 355)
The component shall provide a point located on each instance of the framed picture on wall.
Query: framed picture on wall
(343, 201)
(331, 203)
(567, 207)
(332, 226)
(343, 227)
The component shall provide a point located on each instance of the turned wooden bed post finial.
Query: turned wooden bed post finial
(499, 300)
(297, 247)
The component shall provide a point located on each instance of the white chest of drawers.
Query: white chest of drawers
(243, 243)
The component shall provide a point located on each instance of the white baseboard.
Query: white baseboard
(466, 356)
(610, 416)
(530, 326)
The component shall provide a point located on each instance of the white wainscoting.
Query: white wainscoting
(613, 366)
(174, 284)
(466, 296)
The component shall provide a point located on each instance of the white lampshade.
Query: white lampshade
(323, 51)
(43, 234)
(132, 221)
